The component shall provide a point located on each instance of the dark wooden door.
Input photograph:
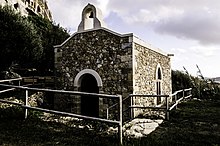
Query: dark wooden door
(89, 104)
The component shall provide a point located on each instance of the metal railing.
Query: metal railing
(172, 99)
(132, 106)
(157, 107)
(168, 104)
(179, 96)
(26, 106)
(10, 80)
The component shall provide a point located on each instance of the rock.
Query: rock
(137, 128)
(148, 131)
(159, 121)
(140, 127)
(36, 99)
(138, 135)
(40, 102)
(151, 125)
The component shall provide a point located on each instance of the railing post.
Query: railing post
(120, 121)
(183, 94)
(107, 112)
(176, 100)
(26, 104)
(132, 114)
(167, 108)
(190, 93)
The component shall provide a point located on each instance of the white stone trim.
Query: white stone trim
(147, 45)
(77, 80)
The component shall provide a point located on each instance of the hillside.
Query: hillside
(217, 79)
(187, 126)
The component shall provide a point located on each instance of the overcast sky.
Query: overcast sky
(189, 29)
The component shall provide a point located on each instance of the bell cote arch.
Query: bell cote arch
(91, 18)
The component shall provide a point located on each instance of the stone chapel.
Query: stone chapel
(96, 59)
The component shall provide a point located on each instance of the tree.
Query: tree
(28, 41)
(202, 88)
(180, 80)
(19, 40)
(51, 34)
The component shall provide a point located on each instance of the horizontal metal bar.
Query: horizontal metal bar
(3, 91)
(139, 95)
(9, 80)
(62, 91)
(10, 102)
(176, 92)
(117, 103)
(188, 96)
(173, 94)
(147, 107)
(31, 77)
(70, 114)
(172, 106)
(176, 103)
(188, 89)
(133, 95)
(179, 100)
(26, 85)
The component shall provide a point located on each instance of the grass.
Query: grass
(194, 123)
(34, 131)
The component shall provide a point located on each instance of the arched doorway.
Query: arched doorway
(89, 104)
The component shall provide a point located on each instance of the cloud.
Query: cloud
(197, 51)
(197, 24)
(203, 51)
(198, 19)
(190, 20)
(190, 27)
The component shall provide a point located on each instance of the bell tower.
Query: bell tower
(91, 18)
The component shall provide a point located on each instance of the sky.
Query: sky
(189, 29)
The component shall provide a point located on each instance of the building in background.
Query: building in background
(30, 7)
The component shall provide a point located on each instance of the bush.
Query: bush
(202, 88)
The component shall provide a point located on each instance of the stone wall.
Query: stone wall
(145, 66)
(107, 53)
(124, 66)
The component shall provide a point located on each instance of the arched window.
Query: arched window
(159, 74)
(158, 83)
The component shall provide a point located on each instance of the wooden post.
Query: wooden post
(26, 104)
(120, 134)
